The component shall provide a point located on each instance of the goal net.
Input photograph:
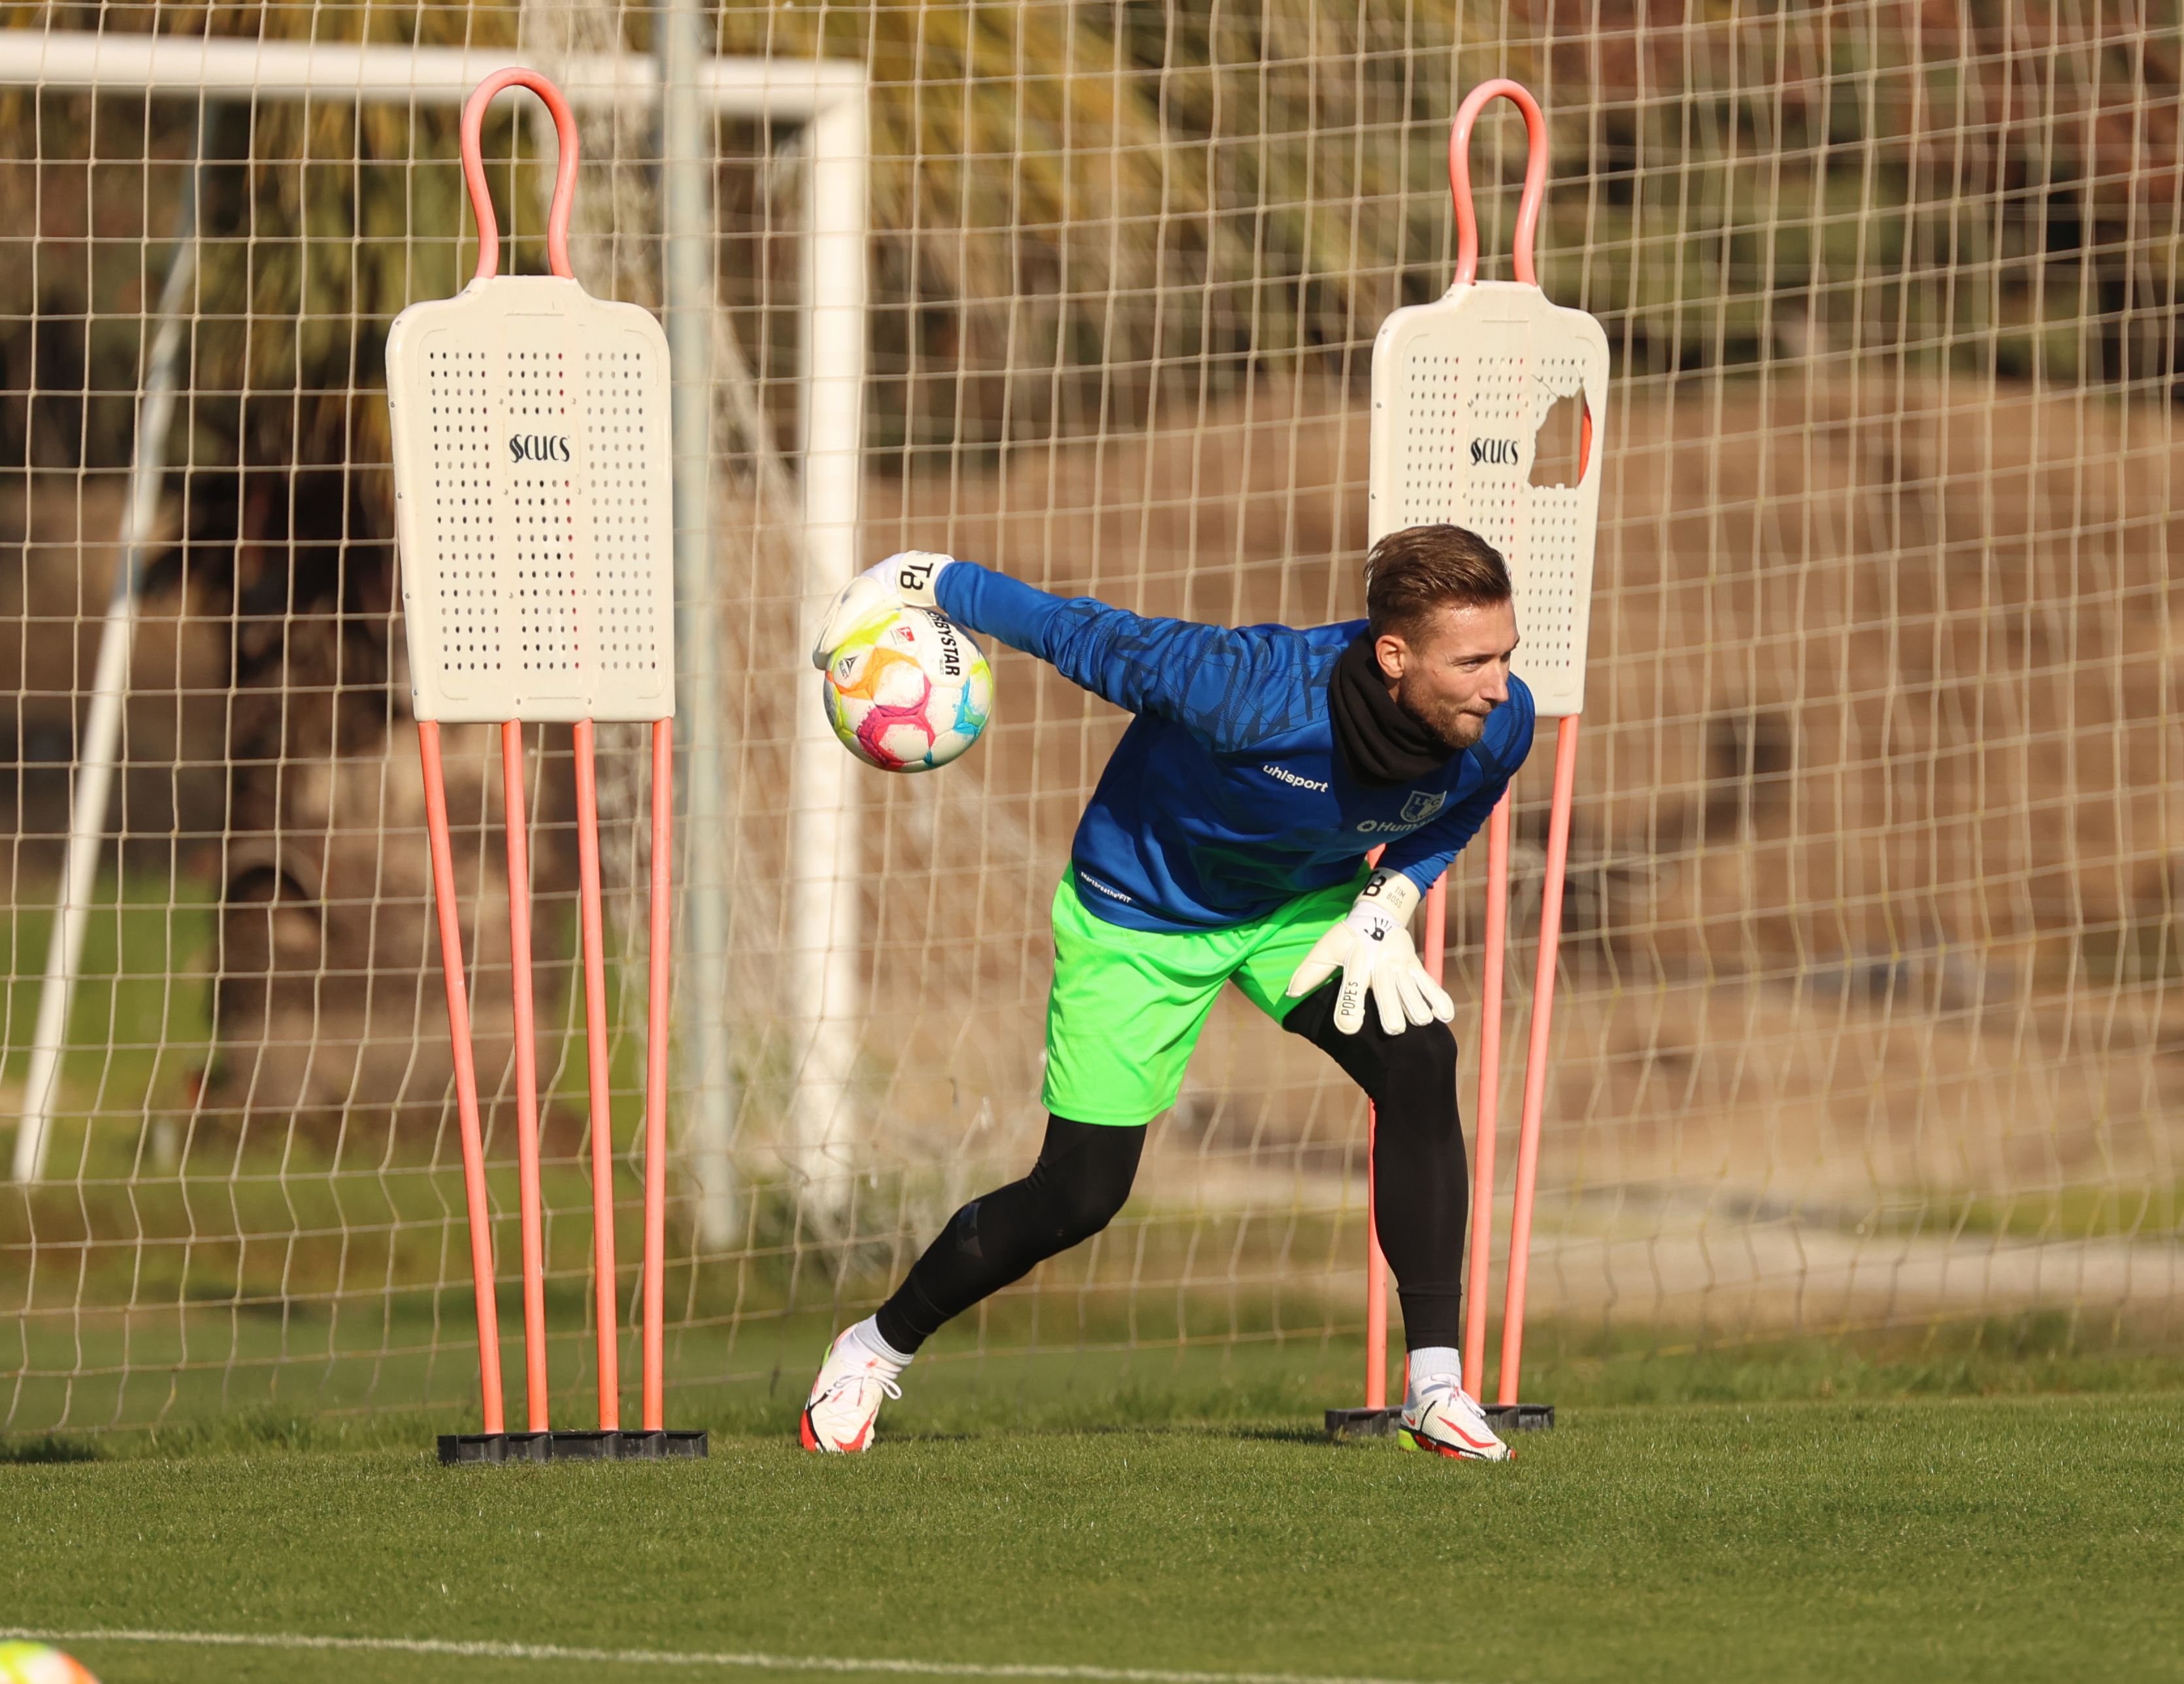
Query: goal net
(1869, 974)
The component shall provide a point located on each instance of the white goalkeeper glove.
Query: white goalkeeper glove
(902, 580)
(1371, 948)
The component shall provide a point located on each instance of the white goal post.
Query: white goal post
(827, 97)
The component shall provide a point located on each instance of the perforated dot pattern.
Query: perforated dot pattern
(1555, 376)
(1496, 397)
(1556, 578)
(1467, 449)
(1554, 598)
(459, 512)
(535, 408)
(534, 504)
(622, 457)
(1430, 445)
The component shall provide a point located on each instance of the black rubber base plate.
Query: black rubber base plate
(571, 1446)
(1503, 1418)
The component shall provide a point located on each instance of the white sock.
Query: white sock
(867, 1332)
(1434, 1362)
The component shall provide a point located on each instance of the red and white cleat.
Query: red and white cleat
(846, 1398)
(1446, 1420)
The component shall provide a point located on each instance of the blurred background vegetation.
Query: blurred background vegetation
(1094, 216)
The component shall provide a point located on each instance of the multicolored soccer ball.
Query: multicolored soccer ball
(36, 1664)
(909, 691)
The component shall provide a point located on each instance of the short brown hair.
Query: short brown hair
(1412, 572)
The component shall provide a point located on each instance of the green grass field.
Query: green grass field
(1958, 1537)
(1994, 1499)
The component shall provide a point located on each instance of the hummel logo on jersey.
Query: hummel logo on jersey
(1283, 774)
(1421, 805)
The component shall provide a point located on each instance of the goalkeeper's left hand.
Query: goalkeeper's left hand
(903, 581)
(1371, 948)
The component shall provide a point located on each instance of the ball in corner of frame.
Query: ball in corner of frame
(36, 1664)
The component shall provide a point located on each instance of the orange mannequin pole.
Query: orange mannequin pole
(593, 922)
(1437, 941)
(1528, 203)
(516, 823)
(1436, 930)
(1489, 1096)
(1376, 1264)
(655, 1080)
(1376, 1282)
(1535, 1056)
(467, 1102)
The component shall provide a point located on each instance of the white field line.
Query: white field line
(751, 1661)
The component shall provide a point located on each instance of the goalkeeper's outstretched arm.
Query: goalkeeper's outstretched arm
(1222, 684)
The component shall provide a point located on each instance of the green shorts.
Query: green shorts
(1127, 1004)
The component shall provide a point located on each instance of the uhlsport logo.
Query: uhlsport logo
(539, 447)
(1421, 805)
(1282, 774)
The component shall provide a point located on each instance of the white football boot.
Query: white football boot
(846, 1398)
(1445, 1419)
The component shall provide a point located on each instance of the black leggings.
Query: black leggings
(1085, 1170)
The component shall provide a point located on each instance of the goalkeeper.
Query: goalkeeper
(1226, 843)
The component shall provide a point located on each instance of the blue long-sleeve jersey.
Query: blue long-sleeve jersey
(1227, 797)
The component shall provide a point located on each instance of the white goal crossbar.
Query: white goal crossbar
(791, 90)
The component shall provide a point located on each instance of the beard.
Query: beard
(1455, 727)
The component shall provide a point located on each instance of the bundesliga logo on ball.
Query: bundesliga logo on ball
(909, 691)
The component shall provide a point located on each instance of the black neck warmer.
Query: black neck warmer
(1380, 744)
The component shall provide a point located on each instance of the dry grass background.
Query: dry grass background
(1872, 916)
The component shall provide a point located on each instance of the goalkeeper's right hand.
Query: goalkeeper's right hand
(903, 581)
(1371, 948)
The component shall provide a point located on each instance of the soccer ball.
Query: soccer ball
(909, 691)
(36, 1664)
